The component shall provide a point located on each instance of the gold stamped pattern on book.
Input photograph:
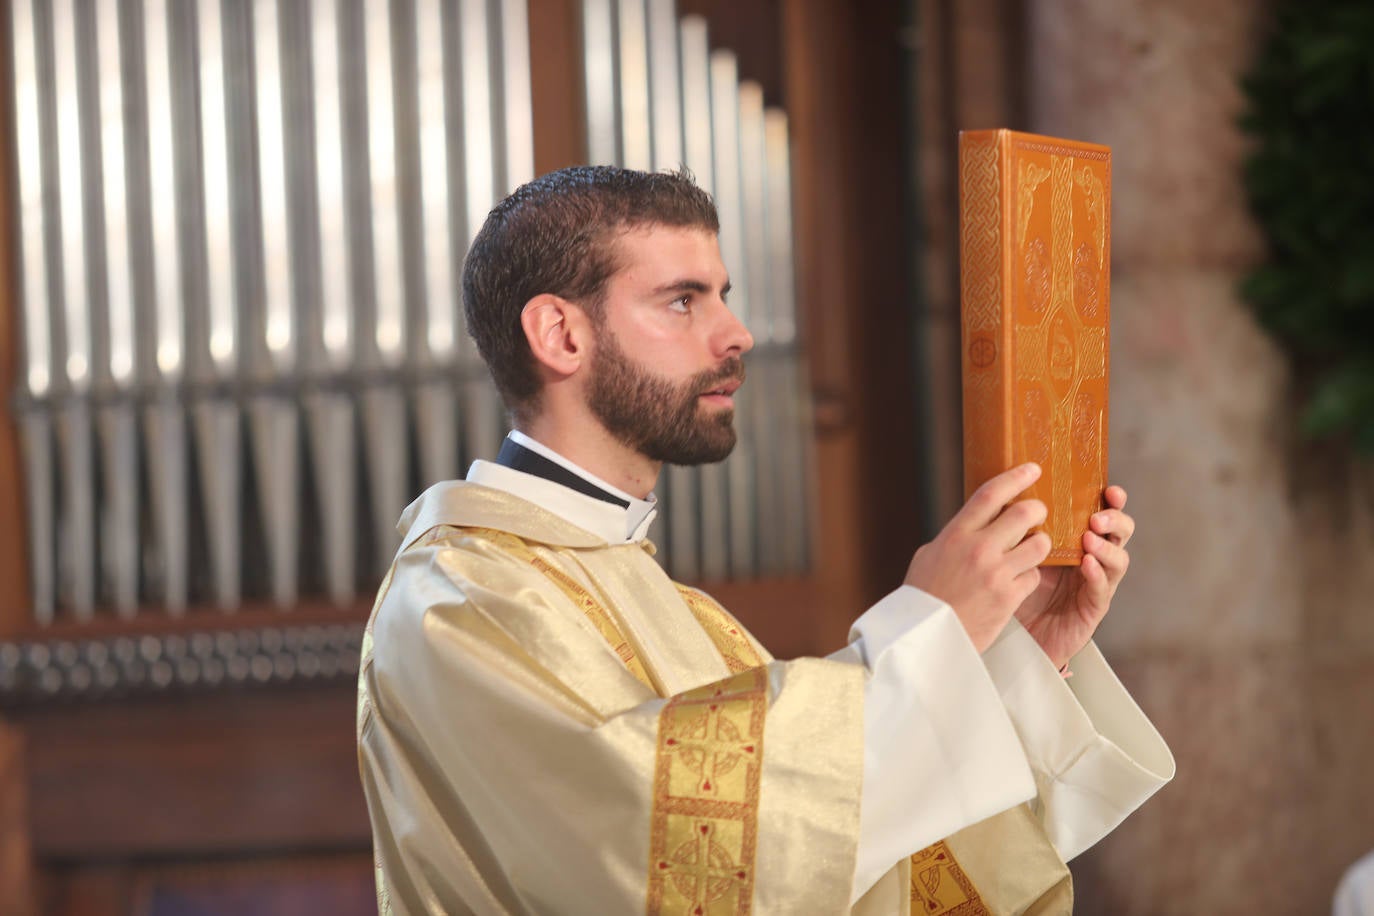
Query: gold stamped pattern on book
(1058, 350)
(981, 293)
(1032, 351)
(704, 830)
(1087, 287)
(982, 391)
(1092, 351)
(939, 886)
(1087, 427)
(1095, 205)
(1062, 461)
(981, 272)
(1037, 427)
(1030, 177)
(1061, 232)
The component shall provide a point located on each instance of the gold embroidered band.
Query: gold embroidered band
(939, 886)
(706, 795)
(724, 630)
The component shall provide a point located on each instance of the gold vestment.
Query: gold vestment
(548, 724)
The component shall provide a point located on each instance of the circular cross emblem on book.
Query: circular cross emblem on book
(982, 352)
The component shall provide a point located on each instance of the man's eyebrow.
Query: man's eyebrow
(688, 285)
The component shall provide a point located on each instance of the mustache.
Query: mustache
(732, 369)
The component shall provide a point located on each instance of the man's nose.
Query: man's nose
(733, 338)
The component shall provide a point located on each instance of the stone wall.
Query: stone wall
(1246, 626)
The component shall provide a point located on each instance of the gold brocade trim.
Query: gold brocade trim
(574, 590)
(383, 895)
(939, 886)
(704, 827)
(724, 630)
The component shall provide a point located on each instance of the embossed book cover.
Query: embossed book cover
(1035, 265)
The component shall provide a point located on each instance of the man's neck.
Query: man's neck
(589, 446)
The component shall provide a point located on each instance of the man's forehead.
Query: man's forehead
(644, 252)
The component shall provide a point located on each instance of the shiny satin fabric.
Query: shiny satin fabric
(509, 747)
(1002, 866)
(508, 753)
(1013, 864)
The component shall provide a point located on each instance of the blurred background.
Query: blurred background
(231, 352)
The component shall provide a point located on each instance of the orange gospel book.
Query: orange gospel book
(1035, 265)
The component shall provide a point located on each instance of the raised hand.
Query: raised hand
(1064, 610)
(982, 564)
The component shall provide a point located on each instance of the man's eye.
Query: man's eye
(682, 304)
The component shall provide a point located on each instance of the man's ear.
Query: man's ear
(555, 330)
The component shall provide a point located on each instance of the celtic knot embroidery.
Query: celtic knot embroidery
(706, 791)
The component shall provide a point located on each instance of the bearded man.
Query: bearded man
(548, 724)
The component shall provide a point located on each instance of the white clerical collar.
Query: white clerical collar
(625, 520)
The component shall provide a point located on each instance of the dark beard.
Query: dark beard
(661, 420)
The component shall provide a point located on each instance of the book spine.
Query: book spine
(983, 192)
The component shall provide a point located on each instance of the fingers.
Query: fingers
(1093, 572)
(1113, 524)
(1030, 553)
(1097, 584)
(1026, 583)
(987, 501)
(1011, 527)
(1111, 559)
(1115, 497)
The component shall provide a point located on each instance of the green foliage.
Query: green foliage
(1310, 182)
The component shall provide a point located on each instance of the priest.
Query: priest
(548, 724)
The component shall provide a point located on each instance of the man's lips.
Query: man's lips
(726, 388)
(722, 394)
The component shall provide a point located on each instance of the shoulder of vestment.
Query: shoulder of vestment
(460, 504)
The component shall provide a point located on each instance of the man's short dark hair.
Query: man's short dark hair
(556, 235)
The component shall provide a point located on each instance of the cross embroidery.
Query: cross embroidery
(710, 745)
(706, 792)
(702, 870)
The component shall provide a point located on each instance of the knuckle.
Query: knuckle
(1031, 512)
(984, 556)
(999, 489)
(943, 546)
(986, 497)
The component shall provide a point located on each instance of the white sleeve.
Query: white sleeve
(940, 752)
(1355, 893)
(1095, 756)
